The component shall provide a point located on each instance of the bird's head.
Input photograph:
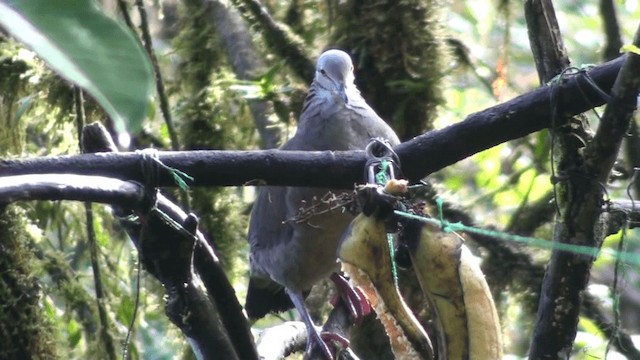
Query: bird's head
(334, 72)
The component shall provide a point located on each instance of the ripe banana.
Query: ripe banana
(364, 252)
(468, 324)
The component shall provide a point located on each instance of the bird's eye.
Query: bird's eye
(323, 72)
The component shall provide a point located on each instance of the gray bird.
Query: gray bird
(288, 258)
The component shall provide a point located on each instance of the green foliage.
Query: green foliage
(630, 48)
(89, 49)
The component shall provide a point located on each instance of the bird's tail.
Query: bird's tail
(262, 299)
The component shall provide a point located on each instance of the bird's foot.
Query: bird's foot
(325, 341)
(342, 341)
(353, 297)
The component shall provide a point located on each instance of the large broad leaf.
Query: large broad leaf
(88, 48)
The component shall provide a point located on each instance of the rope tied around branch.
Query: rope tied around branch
(555, 84)
(151, 165)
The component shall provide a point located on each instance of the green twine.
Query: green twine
(392, 254)
(381, 179)
(439, 203)
(447, 226)
(381, 176)
(179, 176)
(169, 221)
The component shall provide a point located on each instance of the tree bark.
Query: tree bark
(611, 27)
(563, 303)
(582, 166)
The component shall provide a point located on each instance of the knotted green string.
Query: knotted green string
(178, 175)
(381, 179)
(446, 226)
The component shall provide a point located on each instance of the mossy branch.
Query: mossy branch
(280, 39)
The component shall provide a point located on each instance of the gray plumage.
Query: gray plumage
(298, 255)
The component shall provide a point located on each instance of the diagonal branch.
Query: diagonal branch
(420, 156)
(247, 63)
(602, 152)
(279, 38)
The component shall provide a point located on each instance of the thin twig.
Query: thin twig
(162, 95)
(122, 6)
(136, 307)
(105, 336)
(328, 203)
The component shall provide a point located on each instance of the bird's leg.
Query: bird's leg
(355, 300)
(313, 335)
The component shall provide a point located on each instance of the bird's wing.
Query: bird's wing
(270, 203)
(263, 294)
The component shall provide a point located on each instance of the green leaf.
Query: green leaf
(125, 311)
(75, 335)
(24, 105)
(91, 50)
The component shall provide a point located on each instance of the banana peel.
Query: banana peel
(365, 256)
(467, 321)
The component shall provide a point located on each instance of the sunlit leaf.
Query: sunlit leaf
(88, 48)
(630, 48)
(25, 103)
(75, 333)
(125, 311)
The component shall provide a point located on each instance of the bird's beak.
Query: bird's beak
(342, 92)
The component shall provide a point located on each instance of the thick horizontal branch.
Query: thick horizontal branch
(420, 156)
